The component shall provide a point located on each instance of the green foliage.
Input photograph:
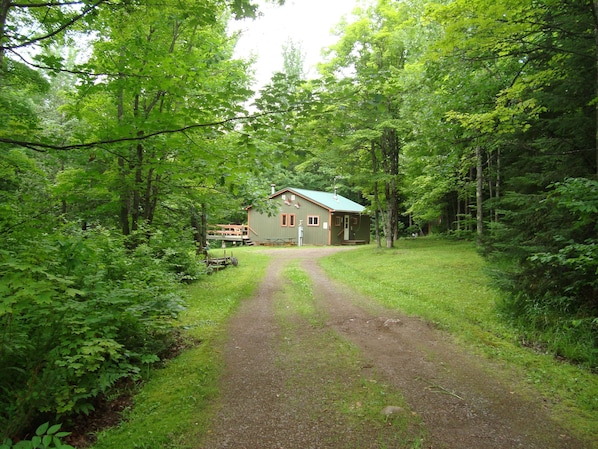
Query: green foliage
(174, 408)
(78, 312)
(553, 276)
(46, 437)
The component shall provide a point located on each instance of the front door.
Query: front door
(346, 228)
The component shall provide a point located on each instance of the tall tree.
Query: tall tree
(165, 74)
(146, 138)
(372, 53)
(537, 131)
(293, 59)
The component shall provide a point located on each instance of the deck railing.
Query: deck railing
(229, 232)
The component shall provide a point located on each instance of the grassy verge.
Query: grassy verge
(172, 408)
(445, 283)
(328, 378)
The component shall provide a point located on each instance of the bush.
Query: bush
(78, 312)
(554, 279)
(46, 437)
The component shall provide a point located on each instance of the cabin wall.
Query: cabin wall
(320, 227)
(359, 227)
(313, 218)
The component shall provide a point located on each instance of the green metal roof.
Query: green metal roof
(330, 201)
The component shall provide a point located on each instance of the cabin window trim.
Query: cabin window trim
(338, 221)
(288, 220)
(313, 220)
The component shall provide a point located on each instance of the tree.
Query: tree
(104, 167)
(293, 59)
(374, 50)
(179, 72)
(535, 128)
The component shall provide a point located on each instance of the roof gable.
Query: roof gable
(330, 201)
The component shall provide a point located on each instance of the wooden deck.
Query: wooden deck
(230, 233)
(354, 242)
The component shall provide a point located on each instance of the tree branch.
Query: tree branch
(76, 72)
(59, 29)
(42, 147)
(44, 5)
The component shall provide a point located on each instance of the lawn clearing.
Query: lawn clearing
(445, 283)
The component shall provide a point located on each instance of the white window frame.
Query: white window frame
(313, 220)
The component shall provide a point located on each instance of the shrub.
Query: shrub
(78, 312)
(554, 279)
(46, 437)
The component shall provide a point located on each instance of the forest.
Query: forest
(128, 126)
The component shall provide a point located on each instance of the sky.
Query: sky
(307, 22)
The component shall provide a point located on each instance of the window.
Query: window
(313, 220)
(287, 220)
(338, 221)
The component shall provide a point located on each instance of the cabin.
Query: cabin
(309, 217)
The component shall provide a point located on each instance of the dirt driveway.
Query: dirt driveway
(278, 382)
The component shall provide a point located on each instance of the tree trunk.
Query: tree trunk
(390, 152)
(388, 231)
(376, 194)
(122, 174)
(138, 166)
(4, 7)
(124, 197)
(199, 225)
(136, 209)
(595, 14)
(490, 183)
(497, 186)
(479, 196)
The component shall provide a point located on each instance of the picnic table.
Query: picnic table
(281, 241)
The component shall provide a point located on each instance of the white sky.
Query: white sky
(307, 22)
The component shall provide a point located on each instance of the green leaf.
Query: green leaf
(55, 428)
(41, 430)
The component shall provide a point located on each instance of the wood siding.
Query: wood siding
(359, 227)
(269, 229)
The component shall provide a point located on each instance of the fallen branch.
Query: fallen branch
(439, 389)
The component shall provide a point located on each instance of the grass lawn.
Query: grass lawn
(445, 282)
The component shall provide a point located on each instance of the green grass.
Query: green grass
(445, 282)
(322, 366)
(173, 409)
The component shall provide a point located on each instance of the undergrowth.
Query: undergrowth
(172, 410)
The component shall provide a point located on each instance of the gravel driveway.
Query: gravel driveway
(455, 398)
